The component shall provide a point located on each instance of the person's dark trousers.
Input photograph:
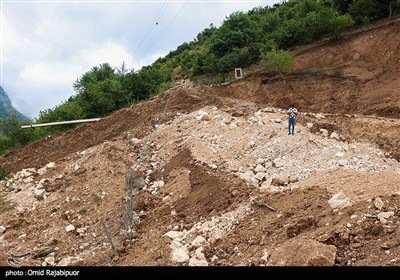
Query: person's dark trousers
(292, 122)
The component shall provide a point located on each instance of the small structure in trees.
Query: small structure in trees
(238, 73)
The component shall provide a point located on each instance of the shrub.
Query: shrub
(279, 61)
(4, 171)
(219, 79)
(83, 209)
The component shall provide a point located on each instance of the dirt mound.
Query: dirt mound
(209, 175)
(358, 74)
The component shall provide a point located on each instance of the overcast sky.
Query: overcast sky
(47, 45)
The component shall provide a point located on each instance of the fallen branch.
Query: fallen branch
(109, 237)
(265, 205)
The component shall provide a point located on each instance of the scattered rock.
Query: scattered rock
(39, 193)
(279, 182)
(50, 260)
(310, 125)
(180, 255)
(158, 184)
(70, 261)
(196, 262)
(233, 126)
(394, 242)
(202, 116)
(278, 162)
(27, 180)
(303, 253)
(265, 256)
(324, 132)
(22, 236)
(278, 120)
(70, 228)
(383, 216)
(339, 154)
(213, 166)
(214, 258)
(84, 246)
(378, 203)
(334, 135)
(176, 243)
(174, 234)
(292, 179)
(198, 259)
(260, 176)
(81, 230)
(259, 168)
(339, 200)
(135, 141)
(198, 241)
(42, 170)
(248, 176)
(24, 173)
(2, 229)
(51, 165)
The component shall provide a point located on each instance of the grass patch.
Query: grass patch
(83, 209)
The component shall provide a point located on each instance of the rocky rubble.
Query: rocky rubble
(271, 160)
(76, 194)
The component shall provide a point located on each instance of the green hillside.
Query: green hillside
(6, 108)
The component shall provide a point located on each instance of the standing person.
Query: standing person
(292, 112)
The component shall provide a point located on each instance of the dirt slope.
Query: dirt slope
(217, 180)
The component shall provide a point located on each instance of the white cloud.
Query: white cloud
(43, 84)
(111, 53)
(47, 46)
(49, 73)
(17, 48)
(64, 72)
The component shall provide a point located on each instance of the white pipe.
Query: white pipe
(58, 123)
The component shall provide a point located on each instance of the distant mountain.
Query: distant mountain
(6, 108)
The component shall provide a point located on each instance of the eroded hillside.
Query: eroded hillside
(217, 180)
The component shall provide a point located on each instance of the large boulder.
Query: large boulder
(339, 200)
(301, 252)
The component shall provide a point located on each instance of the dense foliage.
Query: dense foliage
(278, 61)
(242, 39)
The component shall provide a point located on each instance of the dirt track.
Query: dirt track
(231, 188)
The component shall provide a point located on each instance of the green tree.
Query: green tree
(100, 91)
(339, 24)
(12, 134)
(237, 31)
(365, 11)
(206, 34)
(342, 5)
(278, 61)
(239, 58)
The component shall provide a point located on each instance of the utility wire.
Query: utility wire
(152, 25)
(166, 28)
